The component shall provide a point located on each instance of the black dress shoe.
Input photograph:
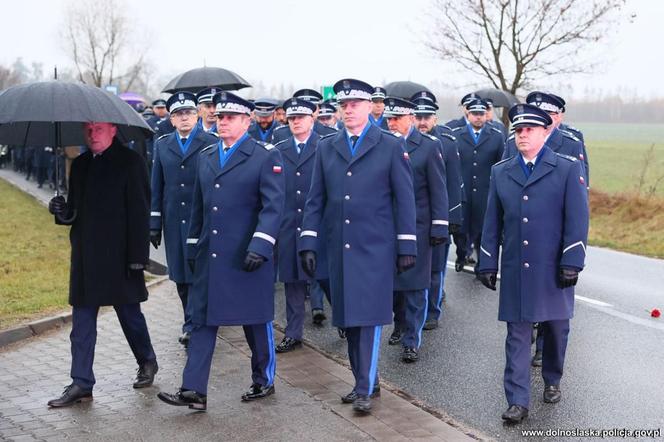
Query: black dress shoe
(257, 391)
(552, 394)
(430, 324)
(537, 359)
(362, 404)
(350, 397)
(184, 339)
(395, 337)
(72, 395)
(288, 344)
(458, 265)
(318, 316)
(409, 355)
(342, 333)
(145, 374)
(470, 260)
(188, 398)
(515, 414)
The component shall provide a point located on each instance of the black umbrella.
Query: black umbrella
(201, 78)
(52, 113)
(404, 89)
(500, 98)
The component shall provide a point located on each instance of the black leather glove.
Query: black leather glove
(437, 240)
(567, 277)
(405, 262)
(57, 205)
(308, 262)
(488, 279)
(252, 262)
(192, 264)
(454, 228)
(155, 238)
(135, 270)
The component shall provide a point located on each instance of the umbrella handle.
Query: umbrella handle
(67, 221)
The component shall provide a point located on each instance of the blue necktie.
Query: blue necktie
(300, 148)
(530, 167)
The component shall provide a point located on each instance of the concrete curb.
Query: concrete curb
(41, 326)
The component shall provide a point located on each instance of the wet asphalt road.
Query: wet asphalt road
(614, 370)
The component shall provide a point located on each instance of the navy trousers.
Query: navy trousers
(295, 294)
(363, 353)
(517, 355)
(436, 292)
(183, 293)
(410, 313)
(83, 338)
(317, 290)
(260, 338)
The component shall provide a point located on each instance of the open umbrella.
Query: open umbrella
(52, 113)
(404, 89)
(201, 78)
(500, 98)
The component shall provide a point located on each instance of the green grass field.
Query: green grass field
(617, 155)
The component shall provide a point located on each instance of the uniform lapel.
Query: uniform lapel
(196, 144)
(310, 148)
(555, 140)
(370, 140)
(515, 172)
(213, 160)
(173, 144)
(484, 135)
(413, 141)
(243, 152)
(341, 145)
(467, 136)
(289, 150)
(544, 166)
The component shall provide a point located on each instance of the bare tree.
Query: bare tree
(511, 43)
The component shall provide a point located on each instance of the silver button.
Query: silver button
(216, 186)
(525, 197)
(214, 209)
(347, 221)
(182, 185)
(526, 265)
(214, 232)
(298, 229)
(347, 197)
(474, 177)
(182, 166)
(525, 220)
(474, 190)
(297, 173)
(347, 246)
(475, 151)
(299, 210)
(298, 192)
(349, 173)
(182, 203)
(525, 242)
(184, 221)
(474, 164)
(214, 255)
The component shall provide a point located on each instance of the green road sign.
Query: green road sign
(327, 92)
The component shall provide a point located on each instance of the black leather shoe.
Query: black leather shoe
(145, 374)
(537, 359)
(318, 316)
(409, 355)
(342, 333)
(257, 391)
(395, 337)
(458, 265)
(515, 414)
(362, 404)
(72, 395)
(470, 260)
(288, 344)
(552, 394)
(430, 324)
(350, 397)
(184, 339)
(185, 398)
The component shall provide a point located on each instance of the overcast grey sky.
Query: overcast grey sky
(309, 43)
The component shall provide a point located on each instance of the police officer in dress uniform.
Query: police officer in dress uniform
(425, 118)
(538, 210)
(265, 122)
(378, 101)
(362, 196)
(463, 121)
(283, 132)
(173, 175)
(280, 114)
(495, 123)
(327, 115)
(480, 147)
(298, 152)
(237, 207)
(160, 113)
(426, 160)
(574, 131)
(207, 120)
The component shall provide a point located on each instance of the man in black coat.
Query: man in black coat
(108, 210)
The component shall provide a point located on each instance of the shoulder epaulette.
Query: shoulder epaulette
(511, 137)
(567, 157)
(266, 145)
(458, 128)
(503, 161)
(280, 127)
(162, 136)
(280, 142)
(450, 136)
(208, 147)
(445, 126)
(387, 132)
(322, 137)
(496, 129)
(569, 135)
(429, 136)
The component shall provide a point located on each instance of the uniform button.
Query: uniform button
(184, 221)
(526, 265)
(347, 221)
(475, 151)
(347, 197)
(474, 164)
(214, 209)
(347, 246)
(214, 232)
(298, 229)
(182, 185)
(299, 210)
(298, 192)
(474, 177)
(474, 190)
(525, 242)
(525, 197)
(182, 203)
(297, 173)
(182, 166)
(214, 255)
(349, 173)
(216, 186)
(525, 220)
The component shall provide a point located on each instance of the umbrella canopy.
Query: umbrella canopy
(52, 113)
(404, 89)
(201, 78)
(500, 98)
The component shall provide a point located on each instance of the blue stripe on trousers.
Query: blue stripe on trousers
(375, 351)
